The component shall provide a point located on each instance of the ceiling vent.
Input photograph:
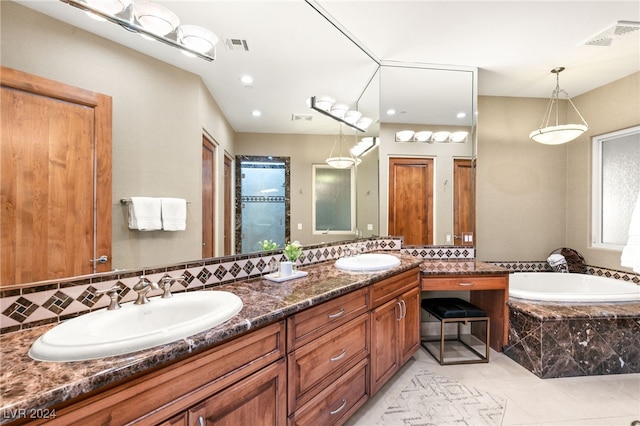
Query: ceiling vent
(236, 44)
(614, 32)
(301, 117)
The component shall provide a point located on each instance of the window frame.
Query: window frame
(596, 185)
(352, 203)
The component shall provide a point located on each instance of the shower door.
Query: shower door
(262, 209)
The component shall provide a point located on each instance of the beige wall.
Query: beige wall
(608, 108)
(304, 151)
(531, 198)
(159, 115)
(534, 198)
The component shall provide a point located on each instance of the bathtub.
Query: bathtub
(559, 287)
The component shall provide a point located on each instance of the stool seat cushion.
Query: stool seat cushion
(451, 307)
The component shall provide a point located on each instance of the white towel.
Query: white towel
(174, 214)
(145, 214)
(631, 252)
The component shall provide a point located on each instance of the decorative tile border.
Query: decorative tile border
(543, 266)
(440, 252)
(52, 302)
(55, 301)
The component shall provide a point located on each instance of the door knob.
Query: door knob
(102, 259)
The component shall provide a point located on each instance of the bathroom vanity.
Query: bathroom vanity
(487, 284)
(306, 351)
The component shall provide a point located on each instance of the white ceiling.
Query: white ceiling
(295, 53)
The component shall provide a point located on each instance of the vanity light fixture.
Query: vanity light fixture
(429, 136)
(551, 133)
(154, 22)
(340, 112)
(364, 146)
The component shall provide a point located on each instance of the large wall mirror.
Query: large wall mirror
(160, 114)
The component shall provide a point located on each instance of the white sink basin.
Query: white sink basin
(132, 328)
(367, 262)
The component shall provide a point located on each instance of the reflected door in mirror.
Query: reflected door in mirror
(462, 201)
(55, 164)
(411, 199)
(208, 197)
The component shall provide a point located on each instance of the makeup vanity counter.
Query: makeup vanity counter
(31, 390)
(487, 284)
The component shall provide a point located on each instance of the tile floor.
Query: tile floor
(592, 401)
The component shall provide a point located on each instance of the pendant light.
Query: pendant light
(340, 161)
(551, 133)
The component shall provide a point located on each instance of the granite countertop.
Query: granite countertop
(28, 384)
(460, 267)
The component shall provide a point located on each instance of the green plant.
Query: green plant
(267, 245)
(292, 251)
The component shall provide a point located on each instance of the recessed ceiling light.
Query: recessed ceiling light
(461, 115)
(246, 79)
(391, 111)
(256, 113)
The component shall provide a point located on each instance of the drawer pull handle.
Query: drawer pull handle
(339, 357)
(200, 421)
(337, 314)
(466, 284)
(337, 410)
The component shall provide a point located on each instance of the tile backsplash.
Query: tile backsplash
(54, 301)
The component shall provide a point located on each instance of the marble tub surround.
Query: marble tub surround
(566, 339)
(33, 305)
(29, 384)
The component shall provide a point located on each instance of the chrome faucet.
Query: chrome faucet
(165, 284)
(113, 294)
(142, 288)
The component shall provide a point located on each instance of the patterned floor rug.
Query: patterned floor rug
(432, 400)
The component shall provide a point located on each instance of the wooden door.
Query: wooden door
(228, 232)
(208, 198)
(55, 179)
(463, 209)
(411, 199)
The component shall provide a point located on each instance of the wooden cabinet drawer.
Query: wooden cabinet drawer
(390, 288)
(166, 392)
(319, 363)
(313, 322)
(470, 282)
(335, 404)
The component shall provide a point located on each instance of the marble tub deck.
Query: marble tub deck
(569, 339)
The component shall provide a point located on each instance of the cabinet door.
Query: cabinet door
(410, 325)
(385, 358)
(181, 419)
(258, 400)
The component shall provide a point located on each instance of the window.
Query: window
(334, 201)
(616, 182)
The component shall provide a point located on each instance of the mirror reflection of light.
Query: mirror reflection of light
(461, 115)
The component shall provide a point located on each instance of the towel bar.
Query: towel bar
(125, 201)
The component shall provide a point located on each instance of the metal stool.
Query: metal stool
(454, 310)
